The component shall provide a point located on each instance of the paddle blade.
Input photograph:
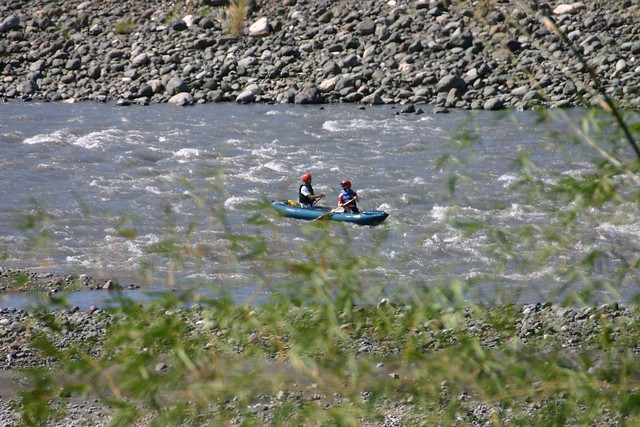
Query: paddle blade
(324, 217)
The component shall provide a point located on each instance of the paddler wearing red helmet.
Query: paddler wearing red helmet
(348, 197)
(305, 192)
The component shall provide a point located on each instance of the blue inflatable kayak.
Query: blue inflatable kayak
(291, 209)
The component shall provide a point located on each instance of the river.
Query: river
(98, 189)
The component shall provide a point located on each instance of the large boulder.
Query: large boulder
(181, 99)
(249, 94)
(451, 82)
(310, 95)
(176, 85)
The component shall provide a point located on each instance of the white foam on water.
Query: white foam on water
(267, 152)
(81, 261)
(152, 189)
(439, 213)
(385, 207)
(185, 154)
(90, 141)
(578, 173)
(46, 167)
(276, 166)
(426, 118)
(538, 273)
(234, 202)
(516, 212)
(508, 179)
(630, 230)
(434, 243)
(134, 249)
(418, 180)
(10, 137)
(57, 137)
(96, 139)
(147, 239)
(344, 125)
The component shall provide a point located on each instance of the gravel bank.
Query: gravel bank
(447, 54)
(575, 332)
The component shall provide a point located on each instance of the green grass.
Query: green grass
(236, 15)
(125, 26)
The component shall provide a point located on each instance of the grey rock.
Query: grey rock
(140, 60)
(494, 104)
(115, 53)
(373, 99)
(176, 85)
(520, 91)
(11, 22)
(351, 61)
(109, 285)
(309, 95)
(451, 82)
(68, 78)
(28, 88)
(249, 94)
(94, 72)
(181, 99)
(461, 39)
(260, 28)
(346, 81)
(532, 95)
(331, 68)
(39, 65)
(179, 25)
(353, 97)
(73, 64)
(366, 27)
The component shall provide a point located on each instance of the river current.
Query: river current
(103, 190)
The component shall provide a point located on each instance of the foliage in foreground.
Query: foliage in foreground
(219, 363)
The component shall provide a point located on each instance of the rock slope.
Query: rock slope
(490, 54)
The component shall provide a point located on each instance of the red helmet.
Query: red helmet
(306, 177)
(346, 184)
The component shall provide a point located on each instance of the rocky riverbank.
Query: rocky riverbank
(448, 54)
(24, 280)
(582, 337)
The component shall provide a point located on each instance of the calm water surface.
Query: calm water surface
(96, 189)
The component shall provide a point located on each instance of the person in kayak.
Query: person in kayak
(348, 197)
(305, 192)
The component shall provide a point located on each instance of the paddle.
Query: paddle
(332, 211)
